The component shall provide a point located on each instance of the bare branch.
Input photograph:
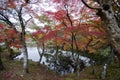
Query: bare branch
(28, 20)
(66, 8)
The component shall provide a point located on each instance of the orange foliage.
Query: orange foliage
(78, 22)
(9, 35)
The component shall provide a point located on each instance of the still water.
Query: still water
(32, 55)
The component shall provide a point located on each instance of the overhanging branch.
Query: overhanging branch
(88, 5)
(6, 20)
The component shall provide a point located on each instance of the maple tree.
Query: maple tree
(40, 37)
(80, 29)
(15, 10)
(13, 38)
(73, 25)
(10, 37)
(72, 35)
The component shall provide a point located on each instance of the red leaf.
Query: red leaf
(59, 15)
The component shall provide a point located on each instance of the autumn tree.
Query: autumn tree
(71, 18)
(12, 12)
(10, 38)
(40, 38)
(108, 11)
(81, 31)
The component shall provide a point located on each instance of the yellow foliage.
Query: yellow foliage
(40, 36)
(66, 47)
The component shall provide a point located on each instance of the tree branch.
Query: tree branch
(5, 18)
(88, 5)
(7, 21)
(20, 18)
(28, 20)
(68, 14)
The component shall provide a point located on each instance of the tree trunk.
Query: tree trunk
(9, 50)
(38, 52)
(43, 51)
(25, 59)
(110, 23)
(56, 58)
(7, 45)
(78, 66)
(24, 47)
(105, 67)
(1, 64)
(118, 56)
(24, 51)
(111, 26)
(104, 72)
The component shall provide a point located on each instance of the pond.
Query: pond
(34, 56)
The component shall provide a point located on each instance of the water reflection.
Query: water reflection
(59, 65)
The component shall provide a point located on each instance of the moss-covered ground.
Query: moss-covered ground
(14, 71)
